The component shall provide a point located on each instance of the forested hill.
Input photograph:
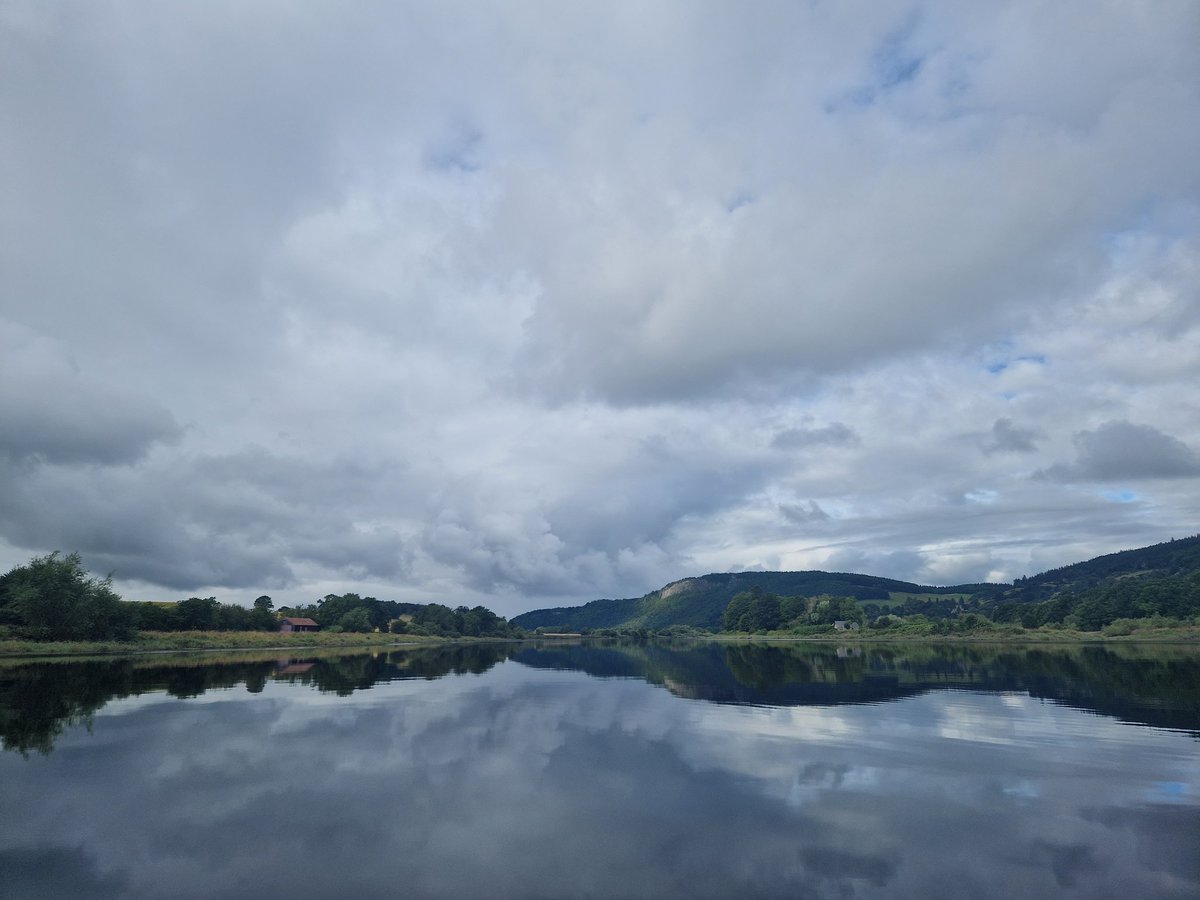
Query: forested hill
(700, 602)
(1171, 558)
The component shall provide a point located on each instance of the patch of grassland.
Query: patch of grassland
(1132, 631)
(159, 641)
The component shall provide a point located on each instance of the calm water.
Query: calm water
(606, 771)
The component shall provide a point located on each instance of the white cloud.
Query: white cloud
(523, 306)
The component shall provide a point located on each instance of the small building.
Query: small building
(298, 624)
(292, 667)
(843, 625)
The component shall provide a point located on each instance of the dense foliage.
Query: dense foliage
(350, 612)
(1174, 597)
(53, 598)
(755, 610)
(1170, 558)
(204, 614)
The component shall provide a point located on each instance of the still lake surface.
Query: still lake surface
(606, 770)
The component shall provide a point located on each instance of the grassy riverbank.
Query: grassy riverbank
(1118, 632)
(1124, 631)
(161, 641)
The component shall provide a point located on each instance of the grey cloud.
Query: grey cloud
(52, 411)
(835, 434)
(64, 872)
(801, 514)
(1122, 450)
(834, 862)
(243, 521)
(906, 565)
(1160, 832)
(1007, 437)
(1067, 861)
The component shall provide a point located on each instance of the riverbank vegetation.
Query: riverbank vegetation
(1149, 609)
(165, 641)
(1158, 580)
(52, 603)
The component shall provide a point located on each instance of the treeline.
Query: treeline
(1115, 607)
(350, 612)
(758, 610)
(204, 614)
(1172, 597)
(53, 598)
(1176, 557)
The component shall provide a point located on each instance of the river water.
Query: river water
(606, 770)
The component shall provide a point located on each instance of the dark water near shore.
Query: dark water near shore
(606, 770)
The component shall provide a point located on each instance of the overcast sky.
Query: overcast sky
(526, 304)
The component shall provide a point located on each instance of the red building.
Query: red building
(293, 624)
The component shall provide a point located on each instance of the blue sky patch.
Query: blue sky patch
(1001, 364)
(1120, 496)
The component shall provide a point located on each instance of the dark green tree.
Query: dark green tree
(753, 610)
(263, 616)
(54, 598)
(357, 619)
(197, 613)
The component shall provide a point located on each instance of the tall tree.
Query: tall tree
(54, 598)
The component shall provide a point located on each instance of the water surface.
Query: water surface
(606, 771)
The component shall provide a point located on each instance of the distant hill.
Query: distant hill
(700, 601)
(1175, 557)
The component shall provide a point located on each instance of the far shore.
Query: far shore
(177, 641)
(196, 641)
(1187, 634)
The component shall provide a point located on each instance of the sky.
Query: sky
(528, 303)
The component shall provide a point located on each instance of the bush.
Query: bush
(1119, 628)
(53, 598)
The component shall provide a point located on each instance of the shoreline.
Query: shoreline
(212, 641)
(1188, 635)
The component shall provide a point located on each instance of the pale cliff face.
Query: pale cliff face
(681, 587)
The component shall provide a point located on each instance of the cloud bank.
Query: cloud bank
(521, 306)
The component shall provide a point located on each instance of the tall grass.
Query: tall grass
(155, 641)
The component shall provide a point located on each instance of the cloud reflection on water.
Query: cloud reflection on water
(532, 783)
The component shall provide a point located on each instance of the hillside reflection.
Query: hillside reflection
(1155, 685)
(1149, 685)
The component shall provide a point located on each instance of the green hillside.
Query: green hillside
(700, 602)
(1170, 558)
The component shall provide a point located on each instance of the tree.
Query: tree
(355, 620)
(753, 610)
(263, 617)
(197, 613)
(439, 619)
(826, 610)
(55, 599)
